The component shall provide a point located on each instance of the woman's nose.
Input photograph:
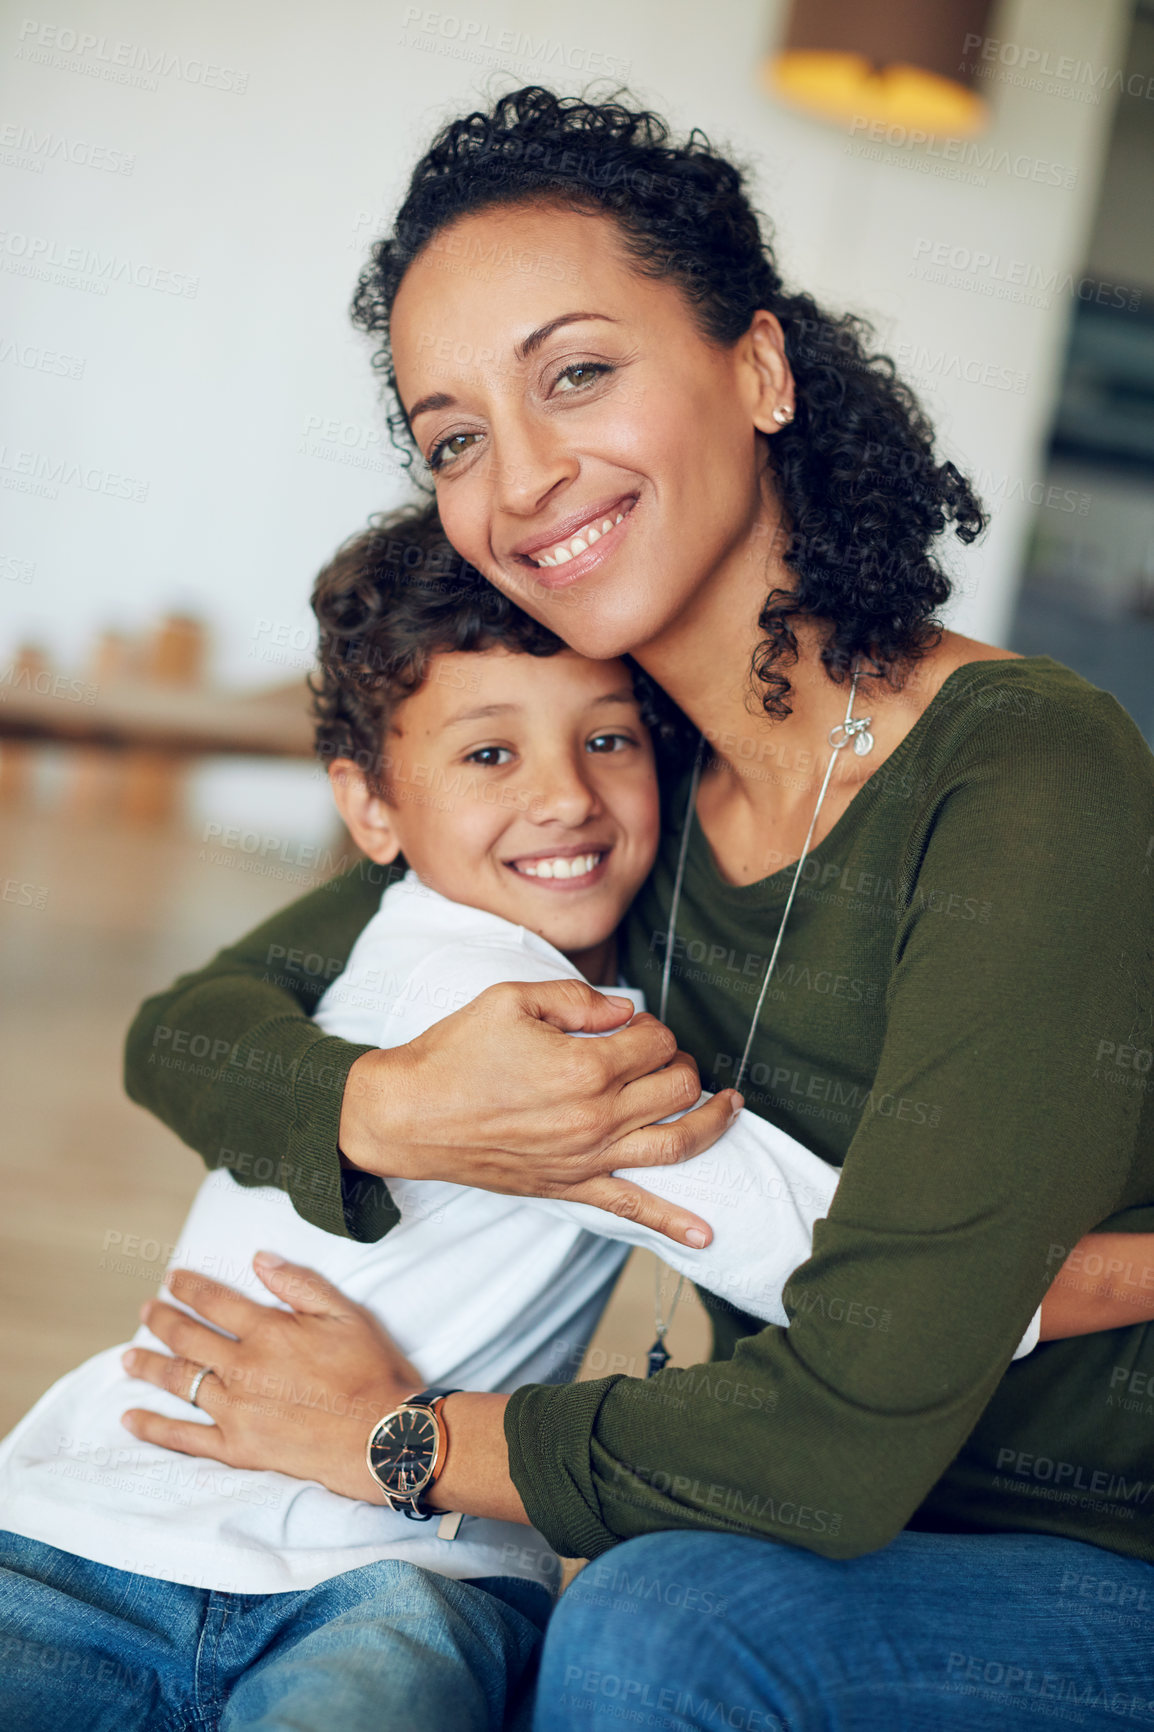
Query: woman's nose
(529, 463)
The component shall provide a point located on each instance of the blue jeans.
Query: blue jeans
(936, 1633)
(85, 1648)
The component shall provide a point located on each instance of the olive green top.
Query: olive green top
(962, 1015)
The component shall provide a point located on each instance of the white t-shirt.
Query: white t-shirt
(480, 1291)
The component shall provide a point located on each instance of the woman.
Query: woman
(638, 433)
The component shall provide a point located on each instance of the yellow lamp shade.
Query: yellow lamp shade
(842, 87)
(907, 63)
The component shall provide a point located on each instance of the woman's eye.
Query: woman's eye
(608, 743)
(490, 757)
(582, 374)
(446, 451)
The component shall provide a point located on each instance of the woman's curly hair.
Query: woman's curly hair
(863, 494)
(397, 594)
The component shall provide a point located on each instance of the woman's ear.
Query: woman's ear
(368, 818)
(769, 374)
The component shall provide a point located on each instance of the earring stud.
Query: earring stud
(783, 415)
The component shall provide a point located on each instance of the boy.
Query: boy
(517, 779)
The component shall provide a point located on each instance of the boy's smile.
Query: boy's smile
(572, 868)
(523, 785)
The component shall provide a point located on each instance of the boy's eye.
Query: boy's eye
(609, 743)
(490, 757)
(582, 374)
(446, 451)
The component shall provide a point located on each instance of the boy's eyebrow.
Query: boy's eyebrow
(479, 714)
(443, 400)
(624, 695)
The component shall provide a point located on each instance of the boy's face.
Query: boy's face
(523, 785)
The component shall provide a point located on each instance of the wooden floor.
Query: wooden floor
(93, 917)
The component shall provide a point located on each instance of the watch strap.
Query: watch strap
(429, 1397)
(413, 1505)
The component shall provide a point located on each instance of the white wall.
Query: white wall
(242, 412)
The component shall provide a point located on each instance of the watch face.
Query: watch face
(403, 1450)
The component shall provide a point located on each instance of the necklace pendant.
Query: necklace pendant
(863, 742)
(658, 1357)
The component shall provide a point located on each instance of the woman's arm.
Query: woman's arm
(326, 1346)
(494, 1095)
(1107, 1282)
(937, 1246)
(229, 1059)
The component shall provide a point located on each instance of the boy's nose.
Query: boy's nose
(567, 798)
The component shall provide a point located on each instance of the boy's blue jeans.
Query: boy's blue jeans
(86, 1648)
(935, 1633)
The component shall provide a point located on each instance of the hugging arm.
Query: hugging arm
(764, 1438)
(492, 1096)
(759, 1189)
(229, 1058)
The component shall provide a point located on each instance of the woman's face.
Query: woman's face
(595, 456)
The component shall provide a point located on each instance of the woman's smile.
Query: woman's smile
(567, 553)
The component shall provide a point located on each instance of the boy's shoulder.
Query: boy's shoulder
(421, 957)
(469, 941)
(416, 917)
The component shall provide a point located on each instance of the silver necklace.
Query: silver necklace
(658, 1355)
(852, 728)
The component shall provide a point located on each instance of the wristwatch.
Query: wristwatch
(406, 1452)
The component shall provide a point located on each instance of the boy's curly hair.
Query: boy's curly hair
(864, 495)
(394, 596)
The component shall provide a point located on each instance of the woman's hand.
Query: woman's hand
(499, 1095)
(297, 1391)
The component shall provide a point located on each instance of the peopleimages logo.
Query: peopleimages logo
(1012, 279)
(1071, 1477)
(81, 267)
(38, 360)
(118, 62)
(931, 363)
(981, 156)
(988, 57)
(38, 473)
(37, 148)
(47, 685)
(474, 39)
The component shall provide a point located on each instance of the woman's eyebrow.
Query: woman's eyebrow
(443, 399)
(543, 332)
(435, 400)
